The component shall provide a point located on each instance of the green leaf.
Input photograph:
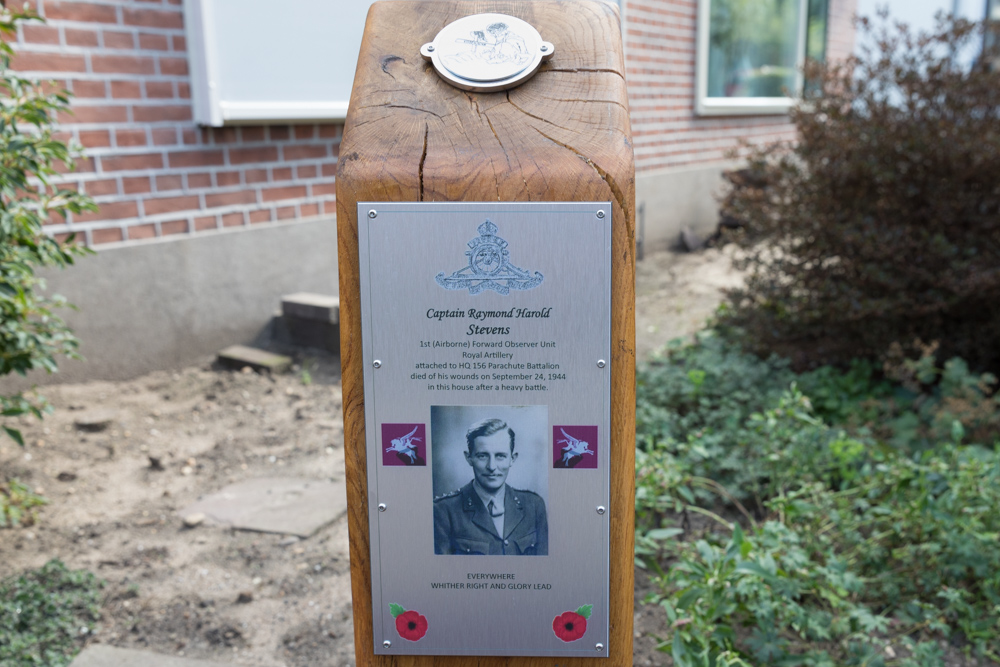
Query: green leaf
(664, 533)
(585, 610)
(15, 435)
(395, 609)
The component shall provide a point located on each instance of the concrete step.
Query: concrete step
(240, 356)
(310, 306)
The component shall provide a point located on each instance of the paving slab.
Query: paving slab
(289, 506)
(240, 356)
(101, 655)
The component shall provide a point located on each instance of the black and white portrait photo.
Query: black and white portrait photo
(490, 479)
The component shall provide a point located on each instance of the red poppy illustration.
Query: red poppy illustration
(571, 625)
(409, 624)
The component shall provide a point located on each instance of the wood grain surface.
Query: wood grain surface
(562, 136)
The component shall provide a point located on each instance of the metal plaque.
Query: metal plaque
(487, 52)
(487, 338)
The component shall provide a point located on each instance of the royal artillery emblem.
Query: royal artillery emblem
(489, 267)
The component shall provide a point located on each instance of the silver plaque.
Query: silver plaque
(487, 52)
(487, 338)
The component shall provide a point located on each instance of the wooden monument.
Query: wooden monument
(562, 136)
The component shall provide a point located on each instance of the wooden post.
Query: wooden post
(562, 136)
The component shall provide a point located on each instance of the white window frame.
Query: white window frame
(742, 106)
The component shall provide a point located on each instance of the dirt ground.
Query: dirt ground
(215, 593)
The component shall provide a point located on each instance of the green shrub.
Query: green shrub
(47, 615)
(31, 335)
(858, 532)
(17, 504)
(880, 224)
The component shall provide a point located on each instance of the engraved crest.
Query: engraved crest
(497, 45)
(489, 267)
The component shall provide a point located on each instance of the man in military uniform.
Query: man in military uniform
(487, 516)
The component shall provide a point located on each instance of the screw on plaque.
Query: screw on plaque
(600, 647)
(372, 213)
(600, 509)
(601, 363)
(377, 364)
(381, 507)
(386, 644)
(600, 214)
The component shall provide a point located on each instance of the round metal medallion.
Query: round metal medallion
(487, 52)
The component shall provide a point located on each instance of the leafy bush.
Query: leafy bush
(880, 224)
(31, 335)
(17, 504)
(852, 540)
(46, 615)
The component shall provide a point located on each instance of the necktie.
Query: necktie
(491, 507)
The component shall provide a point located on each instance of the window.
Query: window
(751, 52)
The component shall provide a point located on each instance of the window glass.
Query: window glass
(753, 48)
(816, 30)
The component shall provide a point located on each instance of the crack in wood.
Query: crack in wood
(582, 69)
(608, 178)
(385, 62)
(531, 115)
(423, 159)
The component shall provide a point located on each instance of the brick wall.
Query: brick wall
(153, 171)
(660, 47)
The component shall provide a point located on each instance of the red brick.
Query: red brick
(208, 222)
(184, 90)
(167, 183)
(42, 34)
(101, 114)
(165, 136)
(180, 43)
(130, 137)
(118, 40)
(86, 38)
(136, 185)
(139, 232)
(305, 152)
(159, 89)
(252, 133)
(127, 162)
(107, 186)
(286, 213)
(27, 61)
(232, 220)
(335, 149)
(56, 86)
(83, 166)
(224, 135)
(66, 237)
(245, 155)
(256, 175)
(161, 113)
(202, 180)
(63, 136)
(329, 131)
(80, 11)
(278, 133)
(330, 169)
(114, 210)
(190, 137)
(174, 66)
(290, 192)
(89, 89)
(173, 227)
(310, 210)
(99, 236)
(169, 204)
(95, 138)
(152, 18)
(281, 174)
(320, 189)
(306, 171)
(123, 64)
(305, 131)
(202, 158)
(153, 42)
(126, 89)
(224, 178)
(230, 198)
(263, 215)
